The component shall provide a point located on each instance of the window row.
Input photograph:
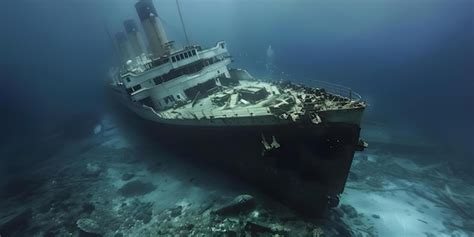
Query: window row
(159, 62)
(183, 55)
(133, 89)
(184, 70)
(187, 69)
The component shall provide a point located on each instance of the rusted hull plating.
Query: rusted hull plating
(302, 166)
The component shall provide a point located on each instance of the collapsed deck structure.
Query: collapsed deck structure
(295, 141)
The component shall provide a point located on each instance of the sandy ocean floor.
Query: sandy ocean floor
(112, 184)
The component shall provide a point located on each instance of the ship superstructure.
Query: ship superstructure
(294, 140)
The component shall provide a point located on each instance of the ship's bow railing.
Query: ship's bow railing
(336, 89)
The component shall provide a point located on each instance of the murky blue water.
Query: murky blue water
(410, 60)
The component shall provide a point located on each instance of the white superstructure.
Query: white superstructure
(163, 82)
(194, 86)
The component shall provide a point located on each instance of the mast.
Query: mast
(182, 23)
(122, 43)
(113, 43)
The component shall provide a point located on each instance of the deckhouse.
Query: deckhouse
(178, 77)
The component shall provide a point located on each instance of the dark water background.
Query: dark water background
(413, 61)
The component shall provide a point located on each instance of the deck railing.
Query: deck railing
(336, 89)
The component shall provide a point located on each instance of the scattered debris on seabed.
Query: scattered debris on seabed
(400, 198)
(108, 186)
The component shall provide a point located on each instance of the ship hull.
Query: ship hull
(310, 163)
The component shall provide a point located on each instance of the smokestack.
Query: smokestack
(122, 44)
(152, 26)
(133, 37)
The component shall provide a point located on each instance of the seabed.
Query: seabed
(112, 184)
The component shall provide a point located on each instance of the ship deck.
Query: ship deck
(254, 98)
